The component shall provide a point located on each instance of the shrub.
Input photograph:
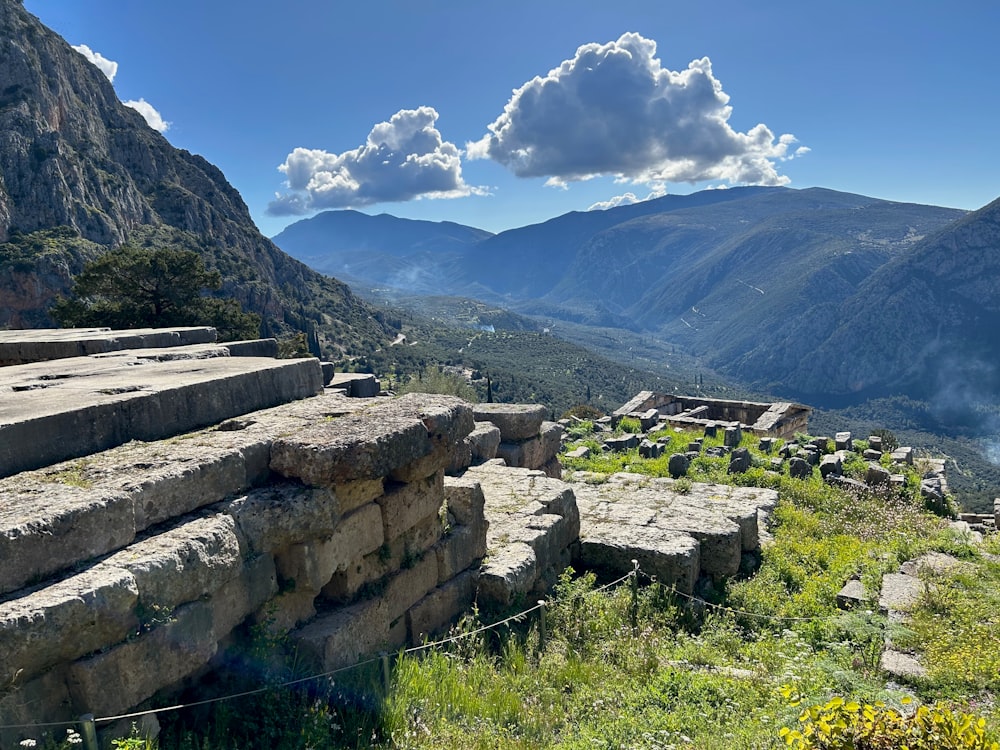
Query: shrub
(849, 725)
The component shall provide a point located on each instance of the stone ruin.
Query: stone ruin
(161, 491)
(779, 419)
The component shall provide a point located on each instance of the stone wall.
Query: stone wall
(294, 517)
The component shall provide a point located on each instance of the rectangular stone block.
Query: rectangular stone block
(406, 504)
(410, 585)
(36, 700)
(341, 638)
(184, 563)
(351, 495)
(116, 680)
(277, 516)
(459, 549)
(68, 619)
(441, 607)
(465, 500)
(243, 595)
(310, 566)
(46, 527)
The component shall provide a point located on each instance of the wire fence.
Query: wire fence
(89, 722)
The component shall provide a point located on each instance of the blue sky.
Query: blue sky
(504, 114)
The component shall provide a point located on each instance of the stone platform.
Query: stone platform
(41, 344)
(67, 408)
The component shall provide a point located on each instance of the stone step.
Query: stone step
(53, 411)
(42, 344)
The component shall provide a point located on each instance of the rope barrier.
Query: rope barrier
(416, 649)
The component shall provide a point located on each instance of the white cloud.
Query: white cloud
(148, 111)
(403, 159)
(110, 69)
(106, 66)
(614, 110)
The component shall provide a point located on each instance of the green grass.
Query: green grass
(712, 676)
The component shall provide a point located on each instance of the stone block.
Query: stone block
(287, 611)
(36, 700)
(351, 447)
(678, 465)
(831, 464)
(458, 549)
(739, 461)
(844, 441)
(45, 528)
(354, 494)
(516, 421)
(852, 595)
(799, 468)
(184, 563)
(410, 585)
(732, 437)
(510, 571)
(403, 505)
(465, 500)
(581, 451)
(441, 607)
(649, 449)
(485, 440)
(903, 455)
(622, 443)
(67, 619)
(357, 384)
(243, 595)
(875, 443)
(114, 681)
(342, 637)
(877, 475)
(870, 454)
(311, 565)
(277, 516)
(673, 557)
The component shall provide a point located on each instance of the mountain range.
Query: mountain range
(828, 297)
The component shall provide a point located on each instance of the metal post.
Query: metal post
(88, 730)
(635, 596)
(386, 677)
(541, 625)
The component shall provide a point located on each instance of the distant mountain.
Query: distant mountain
(80, 172)
(926, 323)
(383, 249)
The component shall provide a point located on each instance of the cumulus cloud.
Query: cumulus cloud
(626, 199)
(110, 69)
(403, 159)
(106, 66)
(148, 111)
(615, 110)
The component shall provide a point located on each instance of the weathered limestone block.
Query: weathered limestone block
(732, 436)
(581, 451)
(404, 505)
(277, 516)
(441, 607)
(510, 570)
(287, 611)
(899, 592)
(852, 595)
(311, 565)
(67, 619)
(739, 461)
(903, 455)
(535, 452)
(799, 468)
(184, 563)
(45, 528)
(352, 447)
(354, 494)
(516, 421)
(393, 555)
(465, 500)
(410, 585)
(877, 475)
(357, 384)
(831, 464)
(458, 549)
(673, 557)
(460, 457)
(118, 679)
(622, 443)
(649, 449)
(342, 637)
(649, 419)
(552, 468)
(243, 595)
(484, 439)
(875, 443)
(843, 441)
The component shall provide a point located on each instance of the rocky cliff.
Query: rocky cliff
(71, 155)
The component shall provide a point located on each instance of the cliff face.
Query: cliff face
(72, 155)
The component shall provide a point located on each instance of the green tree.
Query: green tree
(131, 287)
